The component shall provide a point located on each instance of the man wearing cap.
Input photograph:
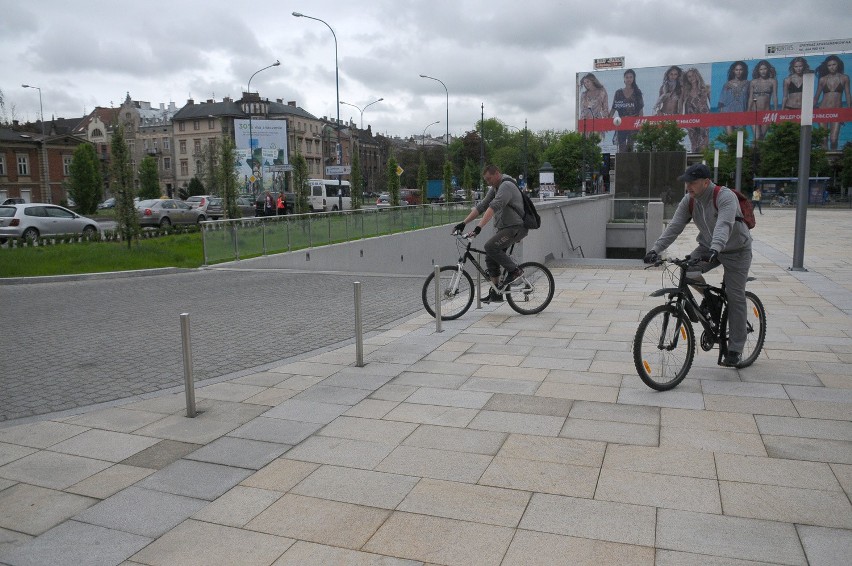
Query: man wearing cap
(722, 239)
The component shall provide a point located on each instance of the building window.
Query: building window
(184, 167)
(211, 123)
(197, 147)
(167, 163)
(97, 133)
(131, 146)
(3, 165)
(198, 167)
(23, 165)
(183, 146)
(166, 144)
(145, 144)
(66, 165)
(181, 126)
(196, 124)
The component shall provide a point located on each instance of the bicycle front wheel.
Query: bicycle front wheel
(533, 291)
(456, 291)
(663, 348)
(755, 329)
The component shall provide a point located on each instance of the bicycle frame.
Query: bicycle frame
(683, 300)
(467, 255)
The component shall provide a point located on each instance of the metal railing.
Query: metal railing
(227, 240)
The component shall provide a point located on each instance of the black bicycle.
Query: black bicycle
(529, 294)
(664, 345)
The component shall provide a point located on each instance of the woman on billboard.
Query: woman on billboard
(832, 84)
(594, 101)
(671, 92)
(627, 102)
(761, 92)
(793, 84)
(734, 96)
(696, 100)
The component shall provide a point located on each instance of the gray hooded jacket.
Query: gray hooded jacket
(506, 201)
(717, 229)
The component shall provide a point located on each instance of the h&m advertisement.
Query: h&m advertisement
(706, 99)
(266, 162)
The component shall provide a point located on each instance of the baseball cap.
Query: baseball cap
(695, 172)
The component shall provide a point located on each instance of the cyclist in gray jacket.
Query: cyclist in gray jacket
(504, 203)
(722, 239)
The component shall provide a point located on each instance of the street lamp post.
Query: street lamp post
(45, 183)
(448, 104)
(339, 150)
(361, 110)
(423, 137)
(251, 137)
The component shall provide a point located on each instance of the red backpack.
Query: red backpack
(745, 206)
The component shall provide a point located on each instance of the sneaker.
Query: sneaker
(492, 297)
(732, 359)
(510, 277)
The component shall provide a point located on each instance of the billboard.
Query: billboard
(706, 99)
(261, 168)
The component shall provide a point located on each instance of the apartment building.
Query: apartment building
(148, 133)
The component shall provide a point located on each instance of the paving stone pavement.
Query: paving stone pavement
(502, 440)
(100, 340)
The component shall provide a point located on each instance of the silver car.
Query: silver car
(166, 212)
(30, 221)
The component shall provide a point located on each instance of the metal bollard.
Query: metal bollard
(478, 284)
(188, 384)
(359, 331)
(438, 299)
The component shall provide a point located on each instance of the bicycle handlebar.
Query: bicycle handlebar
(685, 262)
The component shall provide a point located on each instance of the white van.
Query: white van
(324, 196)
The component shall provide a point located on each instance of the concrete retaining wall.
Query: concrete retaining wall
(414, 253)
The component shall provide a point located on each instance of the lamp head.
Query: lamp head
(276, 63)
(298, 15)
(379, 100)
(423, 77)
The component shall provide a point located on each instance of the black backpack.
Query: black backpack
(532, 220)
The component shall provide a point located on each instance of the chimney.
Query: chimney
(279, 100)
(189, 102)
(209, 101)
(291, 103)
(162, 106)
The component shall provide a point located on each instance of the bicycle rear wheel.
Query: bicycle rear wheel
(454, 303)
(755, 329)
(533, 291)
(663, 348)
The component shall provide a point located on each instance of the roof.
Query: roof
(108, 116)
(233, 108)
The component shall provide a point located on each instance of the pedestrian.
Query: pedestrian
(282, 204)
(755, 199)
(268, 205)
(723, 239)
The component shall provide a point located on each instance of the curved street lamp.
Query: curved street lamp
(251, 138)
(423, 137)
(448, 104)
(361, 110)
(339, 149)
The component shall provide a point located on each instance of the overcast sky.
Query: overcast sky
(519, 59)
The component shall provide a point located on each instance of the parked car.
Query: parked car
(108, 203)
(384, 201)
(166, 212)
(14, 200)
(215, 208)
(29, 221)
(201, 202)
(246, 207)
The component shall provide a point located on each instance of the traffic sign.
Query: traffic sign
(399, 170)
(279, 168)
(338, 169)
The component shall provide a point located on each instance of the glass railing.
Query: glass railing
(227, 240)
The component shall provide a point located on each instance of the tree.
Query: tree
(660, 136)
(226, 177)
(300, 182)
(196, 187)
(448, 181)
(149, 178)
(356, 182)
(846, 164)
(468, 180)
(393, 181)
(779, 151)
(569, 154)
(422, 178)
(121, 184)
(86, 181)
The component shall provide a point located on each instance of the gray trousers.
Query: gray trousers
(736, 266)
(496, 246)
